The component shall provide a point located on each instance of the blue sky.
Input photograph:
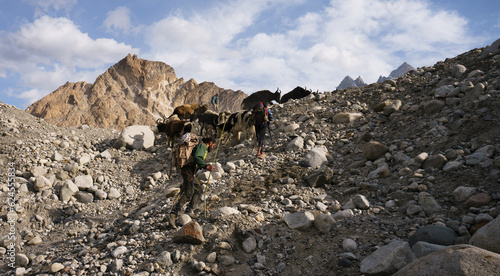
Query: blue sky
(246, 45)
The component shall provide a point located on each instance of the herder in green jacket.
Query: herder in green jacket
(191, 187)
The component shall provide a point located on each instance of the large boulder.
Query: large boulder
(488, 236)
(136, 137)
(315, 158)
(493, 49)
(388, 259)
(434, 234)
(456, 260)
(299, 220)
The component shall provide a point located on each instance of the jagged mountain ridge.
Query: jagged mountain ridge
(132, 92)
(398, 72)
(349, 82)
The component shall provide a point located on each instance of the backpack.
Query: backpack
(182, 151)
(260, 116)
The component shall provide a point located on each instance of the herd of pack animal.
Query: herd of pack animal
(234, 125)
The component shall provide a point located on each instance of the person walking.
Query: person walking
(215, 102)
(262, 116)
(191, 190)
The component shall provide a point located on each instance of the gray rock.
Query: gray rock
(291, 127)
(249, 245)
(493, 49)
(388, 259)
(42, 183)
(211, 257)
(184, 219)
(324, 222)
(435, 161)
(106, 155)
(113, 193)
(343, 214)
(38, 170)
(421, 248)
(487, 237)
(164, 259)
(136, 137)
(223, 211)
(21, 260)
(462, 193)
(225, 259)
(342, 118)
(56, 267)
(474, 94)
(413, 210)
(434, 106)
(84, 159)
(476, 158)
(428, 204)
(68, 190)
(116, 265)
(296, 144)
(488, 150)
(316, 180)
(119, 251)
(457, 70)
(393, 107)
(56, 156)
(361, 202)
(315, 158)
(84, 182)
(457, 260)
(349, 245)
(453, 166)
(299, 220)
(101, 194)
(84, 197)
(434, 234)
(374, 150)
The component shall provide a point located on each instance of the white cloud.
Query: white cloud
(118, 20)
(51, 51)
(317, 49)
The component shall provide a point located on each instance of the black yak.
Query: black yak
(297, 93)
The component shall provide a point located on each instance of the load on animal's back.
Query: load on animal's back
(189, 111)
(264, 96)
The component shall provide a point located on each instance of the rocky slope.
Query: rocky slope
(350, 180)
(132, 92)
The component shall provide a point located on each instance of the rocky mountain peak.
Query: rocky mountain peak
(134, 91)
(398, 72)
(349, 82)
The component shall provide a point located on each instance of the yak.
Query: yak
(264, 96)
(189, 111)
(173, 128)
(297, 93)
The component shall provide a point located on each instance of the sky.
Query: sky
(247, 45)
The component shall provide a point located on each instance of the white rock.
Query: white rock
(136, 137)
(113, 193)
(291, 127)
(84, 182)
